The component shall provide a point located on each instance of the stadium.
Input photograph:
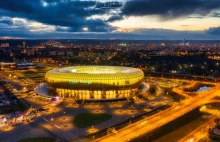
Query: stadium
(95, 82)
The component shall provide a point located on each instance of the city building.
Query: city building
(1, 90)
(24, 44)
(3, 45)
(23, 66)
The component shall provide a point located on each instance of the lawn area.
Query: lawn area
(84, 120)
(170, 83)
(216, 98)
(45, 139)
(35, 75)
(213, 106)
(176, 97)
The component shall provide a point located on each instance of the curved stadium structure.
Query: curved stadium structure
(95, 82)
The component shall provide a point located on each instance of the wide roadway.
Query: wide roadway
(150, 123)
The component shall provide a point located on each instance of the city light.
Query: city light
(109, 70)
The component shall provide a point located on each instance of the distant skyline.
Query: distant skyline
(136, 19)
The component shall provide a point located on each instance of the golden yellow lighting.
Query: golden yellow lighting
(7, 128)
(203, 109)
(92, 130)
(109, 81)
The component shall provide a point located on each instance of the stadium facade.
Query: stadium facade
(95, 82)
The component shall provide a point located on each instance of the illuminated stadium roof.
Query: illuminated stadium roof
(95, 74)
(96, 70)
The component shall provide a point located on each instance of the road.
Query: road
(148, 124)
(200, 132)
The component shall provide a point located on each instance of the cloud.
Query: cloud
(214, 31)
(169, 9)
(115, 18)
(215, 14)
(196, 17)
(66, 13)
(7, 21)
(185, 25)
(138, 34)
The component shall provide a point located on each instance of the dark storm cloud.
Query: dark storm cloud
(169, 9)
(213, 31)
(6, 21)
(196, 17)
(216, 14)
(90, 28)
(115, 18)
(15, 32)
(59, 13)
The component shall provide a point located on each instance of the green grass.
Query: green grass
(84, 120)
(184, 84)
(176, 97)
(216, 98)
(213, 106)
(46, 139)
(37, 75)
